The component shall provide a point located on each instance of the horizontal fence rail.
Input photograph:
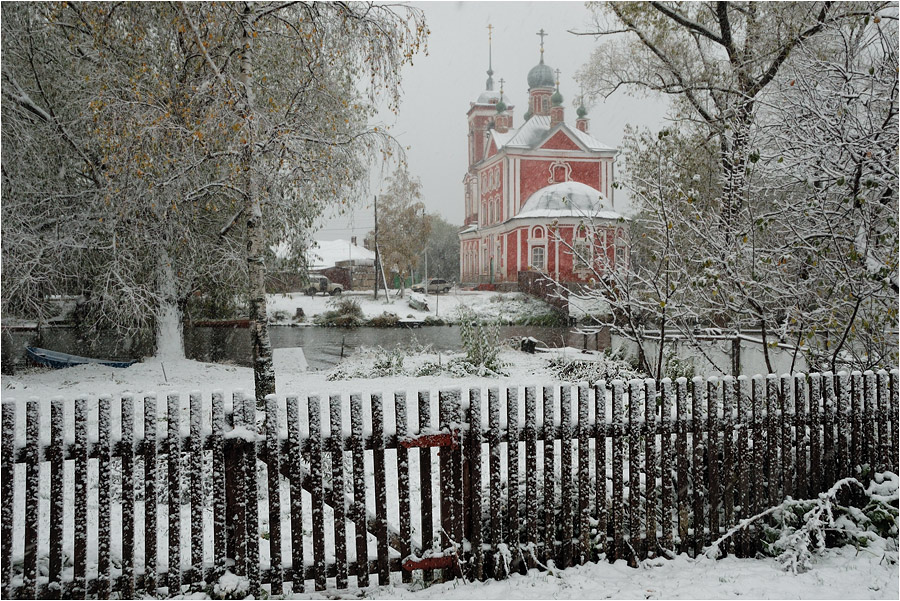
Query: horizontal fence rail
(165, 496)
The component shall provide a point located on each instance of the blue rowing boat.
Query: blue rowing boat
(59, 360)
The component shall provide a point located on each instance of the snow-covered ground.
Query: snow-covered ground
(508, 307)
(846, 573)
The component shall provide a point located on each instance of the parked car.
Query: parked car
(435, 286)
(320, 283)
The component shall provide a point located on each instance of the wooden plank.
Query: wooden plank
(195, 452)
(894, 410)
(424, 426)
(856, 427)
(728, 479)
(450, 480)
(403, 494)
(57, 500)
(583, 554)
(531, 510)
(635, 547)
(801, 419)
(7, 457)
(883, 417)
(474, 441)
(745, 457)
(843, 422)
(151, 446)
(498, 566)
(650, 490)
(667, 467)
(318, 493)
(513, 526)
(713, 404)
(565, 465)
(829, 441)
(335, 428)
(870, 442)
(220, 542)
(773, 441)
(698, 472)
(681, 452)
(618, 456)
(235, 486)
(359, 490)
(384, 574)
(549, 521)
(273, 473)
(251, 495)
(815, 434)
(79, 559)
(173, 447)
(757, 481)
(787, 439)
(601, 504)
(296, 483)
(32, 499)
(104, 498)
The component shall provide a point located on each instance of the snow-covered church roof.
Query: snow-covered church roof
(568, 199)
(537, 129)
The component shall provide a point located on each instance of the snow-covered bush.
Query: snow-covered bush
(848, 513)
(346, 314)
(481, 341)
(608, 367)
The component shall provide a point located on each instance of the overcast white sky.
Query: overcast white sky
(439, 87)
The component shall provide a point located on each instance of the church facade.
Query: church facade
(536, 192)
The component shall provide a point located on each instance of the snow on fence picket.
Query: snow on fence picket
(234, 486)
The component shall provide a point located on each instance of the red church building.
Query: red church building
(535, 192)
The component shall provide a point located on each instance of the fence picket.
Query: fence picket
(650, 490)
(773, 439)
(870, 445)
(6, 482)
(251, 494)
(698, 473)
(815, 435)
(424, 419)
(150, 494)
(618, 452)
(297, 474)
(856, 410)
(601, 504)
(318, 492)
(801, 437)
(712, 456)
(666, 467)
(220, 542)
(79, 559)
(57, 501)
(335, 428)
(786, 400)
(32, 501)
(684, 460)
(173, 447)
(884, 419)
(531, 475)
(844, 425)
(474, 493)
(384, 574)
(273, 473)
(745, 456)
(498, 568)
(104, 498)
(549, 533)
(729, 482)
(634, 472)
(758, 473)
(568, 495)
(403, 497)
(584, 477)
(512, 463)
(830, 454)
(359, 490)
(195, 449)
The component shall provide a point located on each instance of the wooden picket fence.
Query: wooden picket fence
(679, 464)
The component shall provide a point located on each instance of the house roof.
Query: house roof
(567, 199)
(537, 130)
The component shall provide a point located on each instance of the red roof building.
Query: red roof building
(537, 192)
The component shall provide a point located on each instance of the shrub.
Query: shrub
(346, 314)
(385, 320)
(480, 341)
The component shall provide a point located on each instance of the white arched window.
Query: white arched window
(537, 250)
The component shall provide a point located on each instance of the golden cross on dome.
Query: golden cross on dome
(542, 33)
(557, 78)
